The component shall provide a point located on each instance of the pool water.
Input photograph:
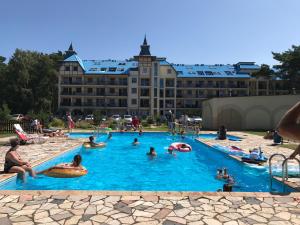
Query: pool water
(122, 166)
(204, 136)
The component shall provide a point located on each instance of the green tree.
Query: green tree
(5, 112)
(264, 71)
(289, 66)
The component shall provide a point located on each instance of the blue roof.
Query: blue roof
(256, 67)
(75, 58)
(208, 71)
(164, 63)
(104, 66)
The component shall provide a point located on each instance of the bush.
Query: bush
(97, 117)
(145, 123)
(83, 124)
(113, 125)
(43, 117)
(5, 112)
(57, 123)
(150, 120)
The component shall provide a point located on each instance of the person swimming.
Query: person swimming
(135, 142)
(225, 173)
(109, 136)
(91, 141)
(152, 152)
(140, 132)
(219, 174)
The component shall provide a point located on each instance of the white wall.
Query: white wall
(246, 113)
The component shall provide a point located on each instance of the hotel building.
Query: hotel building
(150, 85)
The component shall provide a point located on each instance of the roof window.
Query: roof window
(228, 72)
(122, 64)
(120, 69)
(208, 73)
(112, 69)
(103, 69)
(200, 72)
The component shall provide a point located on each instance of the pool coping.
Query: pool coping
(6, 177)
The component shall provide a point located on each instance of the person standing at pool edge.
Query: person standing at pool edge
(71, 124)
(289, 126)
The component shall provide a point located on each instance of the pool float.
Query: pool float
(255, 157)
(177, 146)
(88, 145)
(65, 172)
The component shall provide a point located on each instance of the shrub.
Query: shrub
(150, 120)
(83, 124)
(113, 125)
(145, 123)
(57, 123)
(97, 117)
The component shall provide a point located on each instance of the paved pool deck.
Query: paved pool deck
(144, 208)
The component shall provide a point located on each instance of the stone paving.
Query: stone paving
(193, 209)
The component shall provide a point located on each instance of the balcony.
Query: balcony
(71, 83)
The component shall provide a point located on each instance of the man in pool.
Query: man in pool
(91, 142)
(152, 152)
(135, 142)
(289, 126)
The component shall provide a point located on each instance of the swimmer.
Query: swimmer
(140, 132)
(225, 174)
(135, 142)
(182, 134)
(91, 141)
(219, 174)
(109, 136)
(152, 152)
(230, 180)
(170, 151)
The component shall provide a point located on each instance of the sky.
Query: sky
(184, 31)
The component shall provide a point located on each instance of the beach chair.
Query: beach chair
(27, 138)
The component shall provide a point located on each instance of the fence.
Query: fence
(7, 126)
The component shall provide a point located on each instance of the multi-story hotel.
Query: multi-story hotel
(150, 85)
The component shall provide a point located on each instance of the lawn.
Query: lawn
(259, 133)
(156, 128)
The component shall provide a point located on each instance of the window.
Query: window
(90, 90)
(144, 103)
(161, 83)
(161, 93)
(134, 80)
(67, 68)
(103, 69)
(208, 73)
(155, 82)
(170, 82)
(170, 93)
(200, 72)
(75, 68)
(133, 101)
(112, 90)
(145, 82)
(169, 71)
(145, 92)
(78, 90)
(133, 90)
(155, 92)
(228, 72)
(112, 69)
(123, 92)
(144, 70)
(155, 69)
(90, 80)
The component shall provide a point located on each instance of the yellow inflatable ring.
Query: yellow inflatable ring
(99, 145)
(65, 172)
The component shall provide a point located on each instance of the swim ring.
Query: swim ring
(65, 172)
(88, 145)
(177, 146)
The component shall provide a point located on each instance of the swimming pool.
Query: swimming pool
(121, 166)
(204, 136)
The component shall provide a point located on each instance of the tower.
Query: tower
(70, 52)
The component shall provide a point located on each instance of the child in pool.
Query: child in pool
(152, 152)
(135, 142)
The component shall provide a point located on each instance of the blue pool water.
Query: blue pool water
(121, 166)
(204, 136)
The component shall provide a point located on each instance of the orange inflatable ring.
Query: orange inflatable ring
(65, 172)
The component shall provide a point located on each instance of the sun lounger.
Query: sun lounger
(26, 138)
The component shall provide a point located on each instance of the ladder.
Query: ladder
(285, 174)
(270, 167)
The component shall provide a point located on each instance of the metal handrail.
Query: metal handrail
(285, 175)
(270, 167)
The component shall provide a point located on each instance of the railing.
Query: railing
(7, 126)
(95, 83)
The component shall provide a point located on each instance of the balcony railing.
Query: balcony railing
(94, 83)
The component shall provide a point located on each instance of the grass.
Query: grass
(259, 133)
(3, 135)
(290, 146)
(158, 128)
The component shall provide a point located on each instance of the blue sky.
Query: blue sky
(185, 31)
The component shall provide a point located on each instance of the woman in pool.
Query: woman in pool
(91, 141)
(135, 142)
(109, 136)
(76, 163)
(152, 152)
(14, 163)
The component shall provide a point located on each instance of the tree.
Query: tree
(5, 112)
(264, 71)
(289, 66)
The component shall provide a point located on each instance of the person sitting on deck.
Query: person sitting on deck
(14, 163)
(277, 139)
(289, 126)
(222, 133)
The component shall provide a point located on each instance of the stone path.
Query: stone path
(195, 209)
